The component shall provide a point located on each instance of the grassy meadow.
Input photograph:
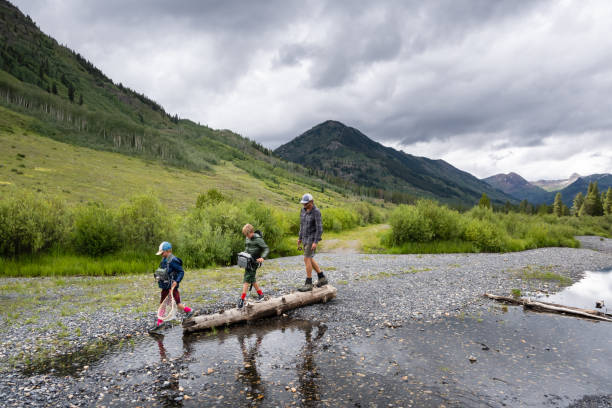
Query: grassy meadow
(79, 175)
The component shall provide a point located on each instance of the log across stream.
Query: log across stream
(253, 311)
(552, 308)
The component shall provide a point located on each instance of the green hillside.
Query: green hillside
(339, 152)
(78, 174)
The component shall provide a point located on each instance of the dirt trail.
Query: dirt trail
(340, 246)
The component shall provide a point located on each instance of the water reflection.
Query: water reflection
(277, 342)
(166, 387)
(269, 362)
(595, 286)
(307, 369)
(249, 374)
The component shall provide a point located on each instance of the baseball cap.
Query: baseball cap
(306, 198)
(164, 246)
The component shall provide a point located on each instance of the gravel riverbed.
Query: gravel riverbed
(375, 292)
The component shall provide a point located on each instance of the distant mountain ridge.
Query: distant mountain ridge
(344, 152)
(521, 189)
(555, 185)
(516, 186)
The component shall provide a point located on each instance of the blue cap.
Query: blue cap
(164, 246)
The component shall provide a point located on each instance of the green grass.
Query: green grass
(545, 273)
(366, 239)
(434, 247)
(122, 263)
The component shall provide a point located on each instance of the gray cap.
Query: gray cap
(306, 198)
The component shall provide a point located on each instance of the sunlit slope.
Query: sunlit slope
(78, 174)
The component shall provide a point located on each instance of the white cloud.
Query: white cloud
(555, 158)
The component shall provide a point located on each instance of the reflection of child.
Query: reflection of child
(257, 248)
(170, 282)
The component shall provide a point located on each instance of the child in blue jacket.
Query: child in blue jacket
(174, 274)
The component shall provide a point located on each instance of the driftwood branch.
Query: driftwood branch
(551, 307)
(253, 311)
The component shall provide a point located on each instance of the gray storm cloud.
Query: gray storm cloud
(495, 78)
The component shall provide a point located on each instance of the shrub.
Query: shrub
(446, 223)
(269, 222)
(367, 213)
(339, 219)
(408, 224)
(211, 197)
(485, 235)
(483, 213)
(30, 223)
(201, 245)
(291, 222)
(213, 235)
(545, 235)
(96, 230)
(144, 222)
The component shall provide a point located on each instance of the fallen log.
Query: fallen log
(253, 311)
(551, 307)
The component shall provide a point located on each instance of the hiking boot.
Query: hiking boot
(307, 287)
(259, 298)
(240, 303)
(321, 282)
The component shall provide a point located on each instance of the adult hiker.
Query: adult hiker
(311, 229)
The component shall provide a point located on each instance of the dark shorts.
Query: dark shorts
(175, 294)
(249, 275)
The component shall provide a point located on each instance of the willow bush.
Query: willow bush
(417, 227)
(30, 223)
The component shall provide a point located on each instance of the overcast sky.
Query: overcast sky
(489, 86)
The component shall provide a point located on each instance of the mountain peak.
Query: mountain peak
(343, 152)
(330, 123)
(509, 181)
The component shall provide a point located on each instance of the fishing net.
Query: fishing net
(167, 308)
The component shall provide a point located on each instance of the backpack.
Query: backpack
(162, 275)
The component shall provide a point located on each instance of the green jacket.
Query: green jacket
(256, 246)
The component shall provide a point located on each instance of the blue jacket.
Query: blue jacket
(175, 272)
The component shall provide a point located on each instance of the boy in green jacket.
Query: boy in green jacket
(257, 248)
